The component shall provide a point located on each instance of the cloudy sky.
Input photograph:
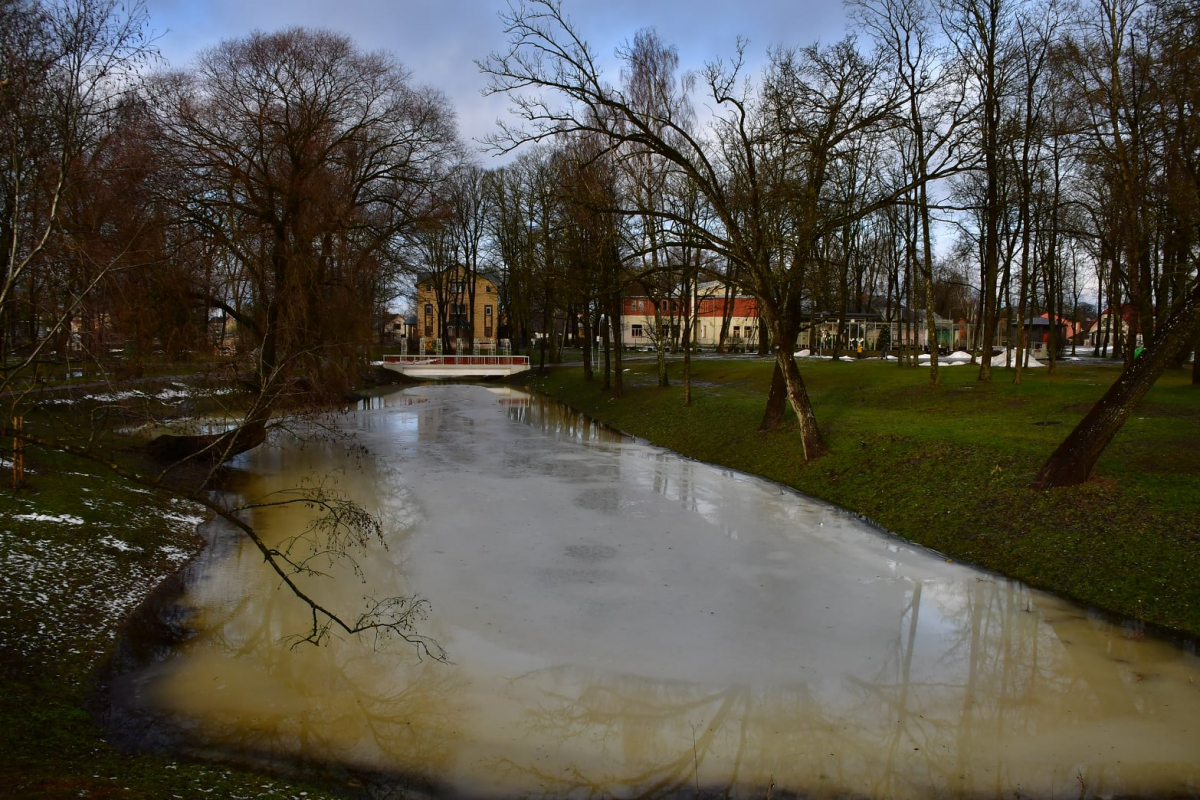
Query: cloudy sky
(440, 40)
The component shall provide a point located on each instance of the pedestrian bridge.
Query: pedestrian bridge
(447, 367)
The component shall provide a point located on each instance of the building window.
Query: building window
(429, 319)
(487, 321)
(636, 331)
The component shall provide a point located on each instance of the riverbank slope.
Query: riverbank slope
(950, 468)
(81, 548)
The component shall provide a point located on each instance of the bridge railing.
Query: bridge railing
(458, 361)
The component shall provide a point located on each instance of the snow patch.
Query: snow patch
(66, 519)
(174, 554)
(190, 520)
(117, 544)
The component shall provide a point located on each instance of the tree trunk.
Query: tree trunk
(687, 359)
(606, 340)
(927, 275)
(810, 437)
(660, 346)
(726, 315)
(210, 449)
(1196, 359)
(589, 338)
(992, 199)
(1075, 458)
(618, 382)
(776, 401)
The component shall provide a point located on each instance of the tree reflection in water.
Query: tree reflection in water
(984, 697)
(627, 623)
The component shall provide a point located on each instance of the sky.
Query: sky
(439, 41)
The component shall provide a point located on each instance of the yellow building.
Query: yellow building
(450, 308)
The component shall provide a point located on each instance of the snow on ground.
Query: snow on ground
(66, 519)
(117, 544)
(174, 393)
(185, 520)
(61, 592)
(959, 357)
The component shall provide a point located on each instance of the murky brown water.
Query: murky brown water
(624, 622)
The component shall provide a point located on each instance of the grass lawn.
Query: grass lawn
(949, 468)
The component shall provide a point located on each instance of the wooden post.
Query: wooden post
(18, 453)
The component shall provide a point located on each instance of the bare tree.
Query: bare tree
(1073, 461)
(298, 164)
(469, 213)
(303, 159)
(783, 140)
(593, 243)
(1173, 30)
(65, 65)
(936, 111)
(651, 82)
(1106, 63)
(981, 32)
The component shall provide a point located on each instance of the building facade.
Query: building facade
(1111, 324)
(458, 309)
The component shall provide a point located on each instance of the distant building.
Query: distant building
(397, 327)
(711, 308)
(642, 324)
(1110, 325)
(1037, 334)
(452, 309)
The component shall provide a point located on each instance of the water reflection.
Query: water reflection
(627, 623)
(184, 426)
(550, 417)
(981, 705)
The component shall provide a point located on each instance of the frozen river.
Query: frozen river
(625, 622)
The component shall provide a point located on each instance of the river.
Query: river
(621, 621)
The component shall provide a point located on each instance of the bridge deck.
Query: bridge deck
(456, 366)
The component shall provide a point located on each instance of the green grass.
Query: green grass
(949, 468)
